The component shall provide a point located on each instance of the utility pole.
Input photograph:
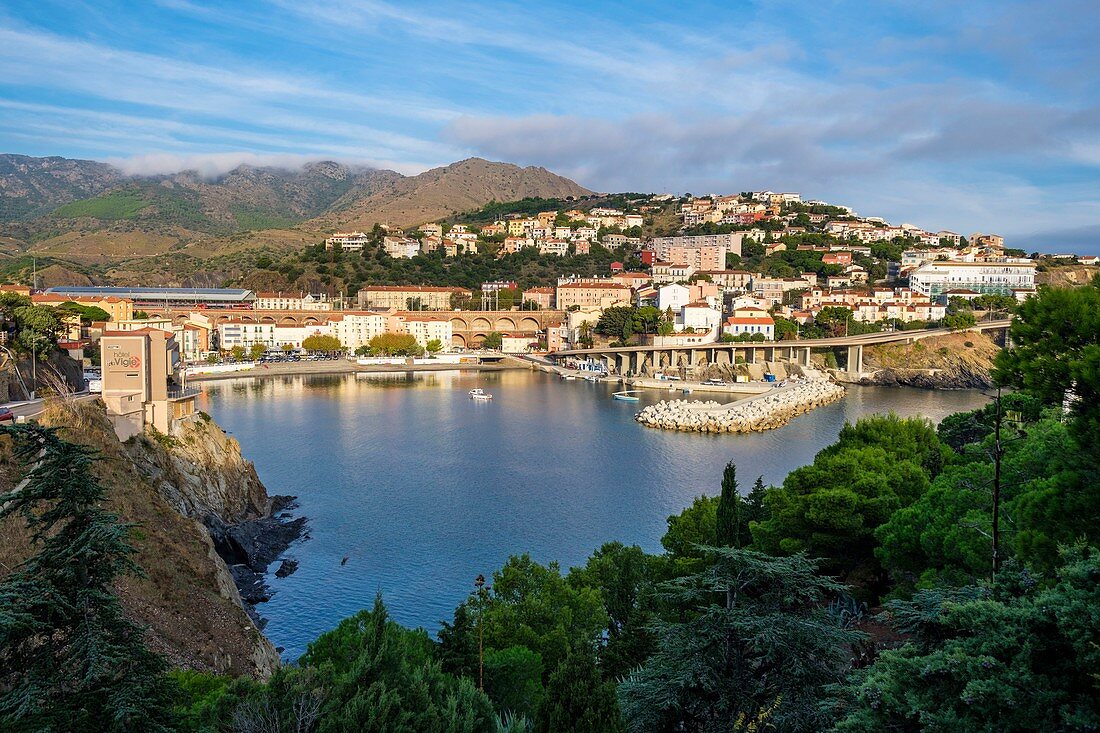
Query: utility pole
(34, 367)
(479, 583)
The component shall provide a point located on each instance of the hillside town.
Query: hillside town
(756, 266)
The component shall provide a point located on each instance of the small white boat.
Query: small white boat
(591, 378)
(569, 377)
(626, 396)
(479, 394)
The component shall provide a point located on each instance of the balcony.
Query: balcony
(179, 393)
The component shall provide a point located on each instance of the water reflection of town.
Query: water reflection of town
(338, 385)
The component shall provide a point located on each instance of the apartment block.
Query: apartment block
(932, 279)
(409, 297)
(592, 295)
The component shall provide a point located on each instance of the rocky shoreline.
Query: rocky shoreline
(766, 412)
(250, 546)
(961, 378)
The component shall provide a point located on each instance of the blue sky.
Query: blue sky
(969, 116)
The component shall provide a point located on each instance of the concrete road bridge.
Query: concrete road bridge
(469, 328)
(647, 360)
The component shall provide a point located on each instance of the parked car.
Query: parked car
(7, 415)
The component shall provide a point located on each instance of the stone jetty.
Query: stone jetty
(762, 412)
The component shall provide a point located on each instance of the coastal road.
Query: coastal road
(32, 408)
(866, 339)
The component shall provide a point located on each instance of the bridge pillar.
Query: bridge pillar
(855, 359)
(804, 357)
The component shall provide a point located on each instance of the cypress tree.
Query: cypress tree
(728, 528)
(69, 659)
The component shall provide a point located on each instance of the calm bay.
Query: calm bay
(422, 489)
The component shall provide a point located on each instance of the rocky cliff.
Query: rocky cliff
(199, 470)
(955, 361)
(167, 486)
(1066, 276)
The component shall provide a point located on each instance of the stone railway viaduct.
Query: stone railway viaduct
(469, 327)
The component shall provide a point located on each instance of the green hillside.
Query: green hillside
(124, 204)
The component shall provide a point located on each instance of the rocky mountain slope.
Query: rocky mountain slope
(97, 221)
(31, 187)
(169, 487)
(461, 186)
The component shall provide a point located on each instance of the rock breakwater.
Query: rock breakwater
(765, 412)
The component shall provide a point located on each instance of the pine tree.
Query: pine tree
(69, 659)
(577, 700)
(729, 510)
(755, 510)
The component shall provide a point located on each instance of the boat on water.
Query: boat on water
(480, 395)
(627, 396)
(569, 377)
(591, 378)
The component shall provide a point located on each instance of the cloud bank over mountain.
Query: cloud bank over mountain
(975, 116)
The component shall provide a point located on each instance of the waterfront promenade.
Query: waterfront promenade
(347, 366)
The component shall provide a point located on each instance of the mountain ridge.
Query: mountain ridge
(90, 215)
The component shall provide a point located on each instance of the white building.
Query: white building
(700, 316)
(275, 301)
(401, 247)
(736, 326)
(357, 328)
(932, 279)
(673, 296)
(293, 336)
(668, 272)
(428, 328)
(238, 333)
(556, 247)
(347, 241)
